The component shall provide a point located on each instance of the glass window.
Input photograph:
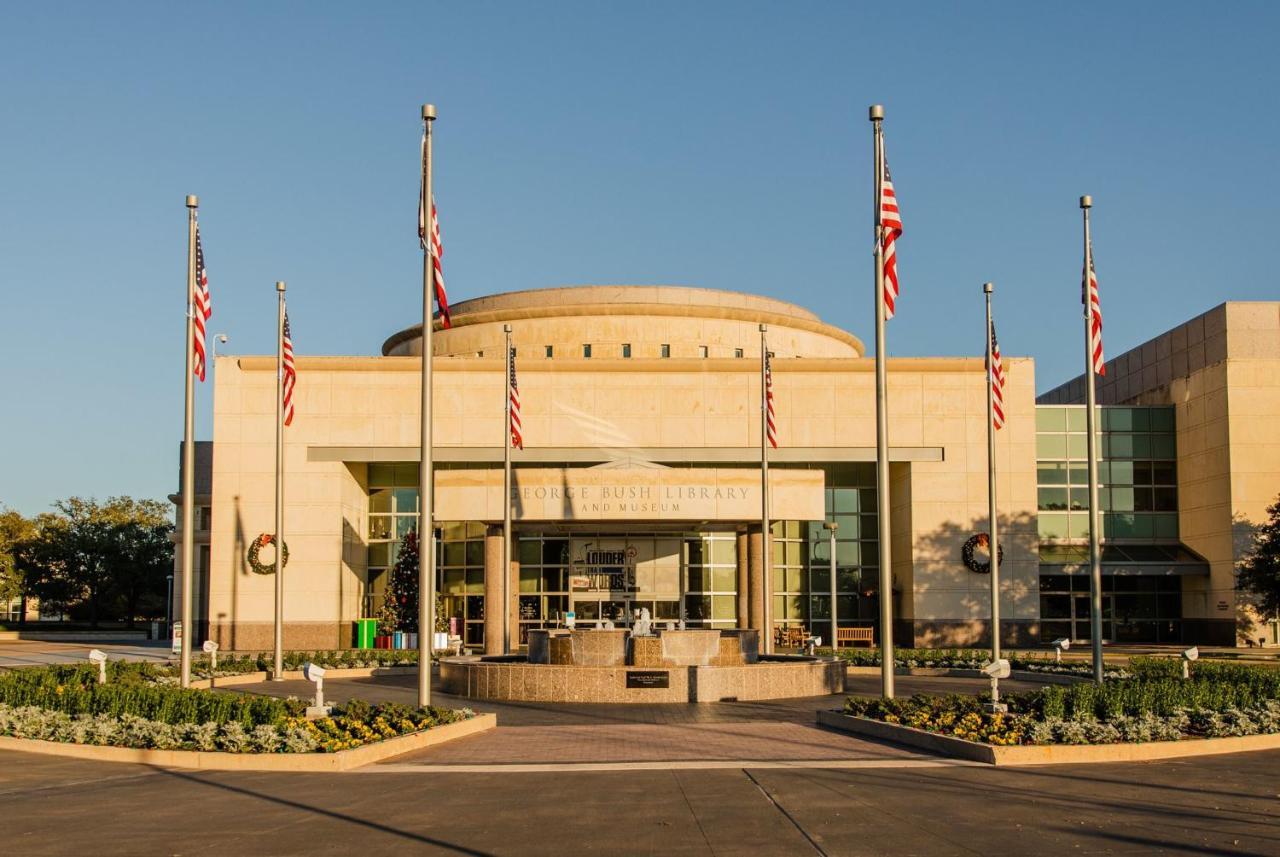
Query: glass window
(381, 475)
(380, 500)
(1076, 419)
(626, 349)
(586, 350)
(724, 551)
(1161, 419)
(724, 607)
(844, 500)
(529, 552)
(664, 350)
(405, 523)
(1080, 499)
(848, 553)
(379, 527)
(1051, 419)
(737, 352)
(1164, 473)
(1165, 526)
(406, 500)
(547, 351)
(529, 579)
(455, 553)
(1051, 473)
(724, 579)
(555, 552)
(1052, 498)
(1051, 446)
(702, 351)
(1163, 446)
(1077, 446)
(1053, 526)
(475, 553)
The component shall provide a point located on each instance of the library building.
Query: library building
(639, 484)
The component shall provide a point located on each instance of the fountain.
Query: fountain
(622, 666)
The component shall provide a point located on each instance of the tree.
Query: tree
(15, 532)
(1259, 573)
(400, 602)
(98, 556)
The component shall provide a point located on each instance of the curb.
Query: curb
(1048, 754)
(343, 760)
(240, 679)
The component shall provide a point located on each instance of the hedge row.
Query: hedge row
(75, 690)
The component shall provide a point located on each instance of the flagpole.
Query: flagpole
(506, 501)
(876, 114)
(766, 643)
(188, 447)
(426, 520)
(994, 538)
(1091, 418)
(278, 659)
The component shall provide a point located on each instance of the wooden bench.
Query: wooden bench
(855, 635)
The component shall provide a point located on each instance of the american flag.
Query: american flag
(513, 390)
(770, 424)
(1089, 297)
(997, 381)
(435, 248)
(201, 310)
(289, 372)
(891, 228)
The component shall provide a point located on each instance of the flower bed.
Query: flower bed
(139, 708)
(969, 659)
(1219, 700)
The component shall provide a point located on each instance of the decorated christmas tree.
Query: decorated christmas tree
(400, 603)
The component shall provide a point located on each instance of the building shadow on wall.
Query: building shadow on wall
(1244, 540)
(938, 566)
(240, 546)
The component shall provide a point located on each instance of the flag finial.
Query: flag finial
(876, 113)
(279, 285)
(428, 112)
(193, 201)
(1086, 201)
(988, 288)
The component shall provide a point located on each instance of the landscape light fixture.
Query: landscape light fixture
(99, 657)
(211, 649)
(1191, 654)
(996, 670)
(1060, 645)
(315, 674)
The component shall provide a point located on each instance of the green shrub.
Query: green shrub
(133, 691)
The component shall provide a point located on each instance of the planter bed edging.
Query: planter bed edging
(958, 672)
(1043, 754)
(343, 760)
(296, 675)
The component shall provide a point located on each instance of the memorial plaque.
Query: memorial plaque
(648, 678)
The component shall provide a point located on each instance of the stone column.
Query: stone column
(493, 605)
(755, 574)
(513, 608)
(744, 582)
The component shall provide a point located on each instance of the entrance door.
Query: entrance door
(1080, 618)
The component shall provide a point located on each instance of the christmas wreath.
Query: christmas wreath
(974, 542)
(259, 543)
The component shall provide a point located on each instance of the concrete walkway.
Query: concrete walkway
(26, 653)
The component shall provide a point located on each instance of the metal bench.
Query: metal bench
(855, 635)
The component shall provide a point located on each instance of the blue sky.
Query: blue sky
(718, 145)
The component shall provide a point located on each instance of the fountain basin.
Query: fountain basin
(514, 678)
